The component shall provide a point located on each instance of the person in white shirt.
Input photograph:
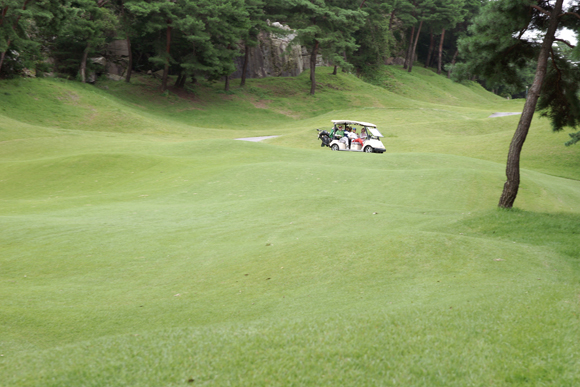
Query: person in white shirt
(344, 139)
(354, 137)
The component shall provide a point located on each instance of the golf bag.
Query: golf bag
(324, 137)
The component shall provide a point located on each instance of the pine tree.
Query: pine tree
(157, 17)
(373, 39)
(317, 24)
(213, 28)
(206, 33)
(470, 9)
(90, 22)
(423, 12)
(498, 46)
(446, 15)
(23, 22)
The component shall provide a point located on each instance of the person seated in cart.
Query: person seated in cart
(347, 136)
(352, 136)
(355, 138)
(336, 132)
(345, 139)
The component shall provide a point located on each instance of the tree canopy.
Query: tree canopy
(202, 38)
(500, 45)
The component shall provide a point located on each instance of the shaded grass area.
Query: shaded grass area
(425, 85)
(172, 253)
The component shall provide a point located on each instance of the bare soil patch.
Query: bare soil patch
(504, 114)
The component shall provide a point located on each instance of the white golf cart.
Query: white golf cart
(344, 137)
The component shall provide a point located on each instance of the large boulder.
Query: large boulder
(275, 56)
(395, 61)
(117, 53)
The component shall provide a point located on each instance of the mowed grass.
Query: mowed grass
(149, 248)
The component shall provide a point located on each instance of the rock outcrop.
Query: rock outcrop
(395, 61)
(274, 56)
(117, 54)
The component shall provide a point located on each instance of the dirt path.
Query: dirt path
(503, 114)
(255, 139)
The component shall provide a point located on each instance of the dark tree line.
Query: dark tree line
(190, 39)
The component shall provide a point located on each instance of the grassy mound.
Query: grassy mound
(150, 248)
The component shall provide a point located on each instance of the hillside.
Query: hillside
(422, 112)
(142, 245)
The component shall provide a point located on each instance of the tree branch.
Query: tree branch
(541, 9)
(510, 49)
(18, 18)
(564, 41)
(570, 13)
(361, 4)
(4, 11)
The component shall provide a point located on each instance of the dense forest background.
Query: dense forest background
(211, 39)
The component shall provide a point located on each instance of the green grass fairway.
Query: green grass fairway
(141, 245)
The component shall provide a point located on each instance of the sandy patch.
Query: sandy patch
(262, 104)
(504, 114)
(287, 113)
(255, 139)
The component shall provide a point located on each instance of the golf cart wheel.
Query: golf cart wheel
(369, 149)
(334, 147)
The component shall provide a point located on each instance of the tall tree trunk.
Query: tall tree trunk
(83, 69)
(181, 84)
(335, 70)
(245, 66)
(511, 186)
(178, 79)
(415, 47)
(431, 45)
(4, 12)
(452, 63)
(313, 56)
(167, 50)
(406, 64)
(2, 55)
(440, 51)
(391, 19)
(130, 66)
(227, 83)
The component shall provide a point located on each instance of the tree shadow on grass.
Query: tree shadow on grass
(558, 231)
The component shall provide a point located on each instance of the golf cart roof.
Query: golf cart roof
(349, 122)
(372, 128)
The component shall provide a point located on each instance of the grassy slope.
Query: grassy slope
(140, 245)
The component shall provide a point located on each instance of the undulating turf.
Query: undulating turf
(142, 245)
